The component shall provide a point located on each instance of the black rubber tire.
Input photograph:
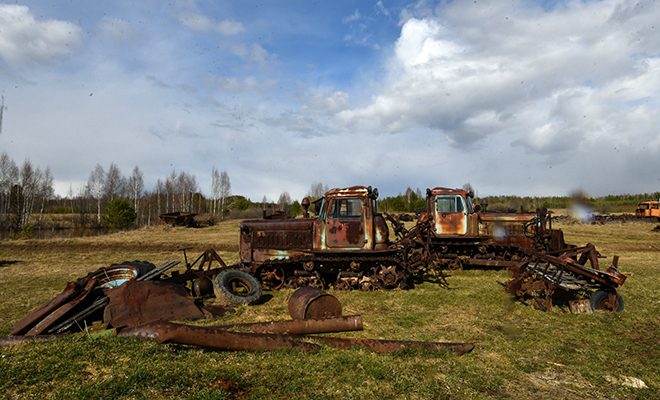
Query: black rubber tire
(237, 287)
(142, 266)
(599, 295)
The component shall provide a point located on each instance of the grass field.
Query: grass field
(520, 352)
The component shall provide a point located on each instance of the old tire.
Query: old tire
(143, 267)
(599, 301)
(237, 287)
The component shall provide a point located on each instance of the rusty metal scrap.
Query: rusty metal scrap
(56, 315)
(222, 339)
(24, 325)
(179, 218)
(308, 302)
(212, 337)
(138, 302)
(136, 298)
(303, 326)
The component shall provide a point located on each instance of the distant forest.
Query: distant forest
(110, 200)
(411, 201)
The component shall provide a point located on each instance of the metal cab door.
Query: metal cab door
(451, 217)
(345, 227)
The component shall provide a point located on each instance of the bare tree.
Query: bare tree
(8, 178)
(186, 187)
(25, 196)
(215, 190)
(136, 185)
(113, 182)
(170, 192)
(409, 193)
(45, 191)
(284, 202)
(160, 188)
(317, 190)
(225, 191)
(96, 185)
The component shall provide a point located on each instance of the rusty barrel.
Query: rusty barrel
(311, 303)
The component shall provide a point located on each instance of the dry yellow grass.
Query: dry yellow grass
(521, 352)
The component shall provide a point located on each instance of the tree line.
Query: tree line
(413, 200)
(111, 200)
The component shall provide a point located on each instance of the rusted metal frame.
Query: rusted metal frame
(60, 312)
(66, 324)
(208, 256)
(28, 322)
(591, 273)
(550, 286)
(190, 276)
(169, 264)
(477, 262)
(587, 252)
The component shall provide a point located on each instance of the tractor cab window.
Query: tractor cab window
(321, 209)
(644, 206)
(655, 206)
(346, 208)
(449, 204)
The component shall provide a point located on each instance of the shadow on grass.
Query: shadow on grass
(4, 263)
(265, 298)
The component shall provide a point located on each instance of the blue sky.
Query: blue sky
(523, 97)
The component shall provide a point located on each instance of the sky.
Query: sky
(528, 98)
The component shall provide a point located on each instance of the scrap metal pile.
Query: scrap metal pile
(313, 312)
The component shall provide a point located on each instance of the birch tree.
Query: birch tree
(225, 191)
(136, 185)
(113, 182)
(8, 178)
(46, 191)
(96, 185)
(215, 190)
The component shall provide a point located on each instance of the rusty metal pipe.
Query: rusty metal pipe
(212, 337)
(34, 317)
(62, 311)
(303, 326)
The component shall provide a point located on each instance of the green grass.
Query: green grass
(520, 352)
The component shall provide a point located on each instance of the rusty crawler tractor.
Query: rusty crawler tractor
(451, 233)
(346, 246)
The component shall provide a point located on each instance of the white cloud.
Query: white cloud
(230, 27)
(381, 8)
(351, 18)
(512, 64)
(191, 16)
(25, 40)
(252, 53)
